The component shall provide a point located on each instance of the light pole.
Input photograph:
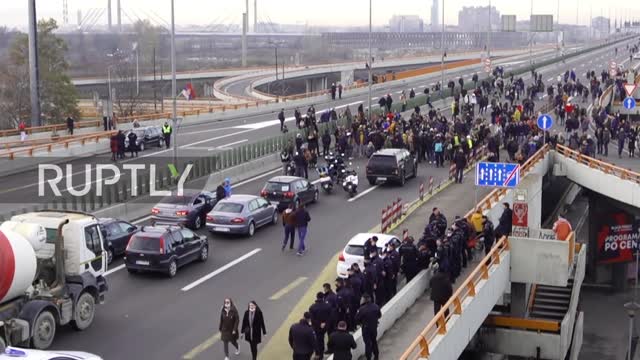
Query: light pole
(369, 62)
(173, 85)
(443, 53)
(110, 106)
(34, 72)
(489, 34)
(137, 70)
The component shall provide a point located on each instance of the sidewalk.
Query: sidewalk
(456, 199)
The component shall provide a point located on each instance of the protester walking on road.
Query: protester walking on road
(227, 187)
(302, 223)
(23, 130)
(302, 338)
(281, 118)
(341, 342)
(340, 91)
(220, 193)
(460, 159)
(253, 327)
(70, 125)
(368, 316)
(121, 139)
(289, 225)
(229, 321)
(506, 221)
(441, 289)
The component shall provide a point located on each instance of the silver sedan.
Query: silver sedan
(241, 214)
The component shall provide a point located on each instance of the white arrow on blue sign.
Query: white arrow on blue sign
(545, 122)
(629, 103)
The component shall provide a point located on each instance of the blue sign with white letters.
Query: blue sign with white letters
(545, 122)
(497, 174)
(629, 103)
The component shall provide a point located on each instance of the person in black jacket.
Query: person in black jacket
(253, 327)
(370, 247)
(320, 316)
(368, 316)
(281, 118)
(133, 143)
(302, 338)
(341, 342)
(505, 223)
(302, 221)
(409, 259)
(488, 233)
(441, 289)
(460, 159)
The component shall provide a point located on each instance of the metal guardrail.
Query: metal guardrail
(82, 140)
(607, 168)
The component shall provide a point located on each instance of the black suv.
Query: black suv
(116, 235)
(164, 249)
(147, 136)
(391, 165)
(284, 190)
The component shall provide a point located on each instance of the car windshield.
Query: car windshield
(139, 133)
(276, 187)
(356, 250)
(228, 207)
(144, 243)
(384, 160)
(177, 200)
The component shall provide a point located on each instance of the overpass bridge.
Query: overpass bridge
(522, 299)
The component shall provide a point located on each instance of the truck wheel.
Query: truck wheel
(44, 330)
(84, 313)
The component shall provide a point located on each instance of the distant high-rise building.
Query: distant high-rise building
(435, 15)
(601, 26)
(476, 18)
(406, 23)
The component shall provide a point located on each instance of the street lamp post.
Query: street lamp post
(173, 85)
(443, 53)
(110, 105)
(369, 62)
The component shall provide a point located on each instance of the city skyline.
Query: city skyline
(329, 12)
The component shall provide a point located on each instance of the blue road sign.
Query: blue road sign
(545, 122)
(629, 103)
(497, 174)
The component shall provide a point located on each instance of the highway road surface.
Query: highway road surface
(152, 317)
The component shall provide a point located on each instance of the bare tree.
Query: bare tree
(14, 95)
(127, 99)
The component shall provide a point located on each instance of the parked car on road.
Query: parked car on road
(354, 250)
(116, 235)
(13, 353)
(147, 136)
(189, 209)
(164, 249)
(241, 214)
(391, 165)
(284, 190)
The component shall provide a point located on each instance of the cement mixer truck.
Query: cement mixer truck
(52, 266)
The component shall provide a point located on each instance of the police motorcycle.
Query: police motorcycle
(326, 182)
(350, 182)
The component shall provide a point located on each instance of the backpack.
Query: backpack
(438, 147)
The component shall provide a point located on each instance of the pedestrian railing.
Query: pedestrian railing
(11, 154)
(420, 348)
(607, 168)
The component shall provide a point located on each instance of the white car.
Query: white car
(12, 353)
(354, 251)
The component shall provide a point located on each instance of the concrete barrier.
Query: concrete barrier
(395, 308)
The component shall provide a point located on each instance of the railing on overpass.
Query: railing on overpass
(81, 140)
(607, 168)
(438, 325)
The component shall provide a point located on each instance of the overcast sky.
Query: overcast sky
(313, 12)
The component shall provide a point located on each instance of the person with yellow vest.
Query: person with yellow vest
(166, 132)
(562, 228)
(456, 141)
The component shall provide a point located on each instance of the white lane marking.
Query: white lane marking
(205, 130)
(221, 269)
(399, 92)
(231, 144)
(141, 220)
(214, 138)
(550, 79)
(257, 177)
(264, 124)
(117, 268)
(363, 193)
